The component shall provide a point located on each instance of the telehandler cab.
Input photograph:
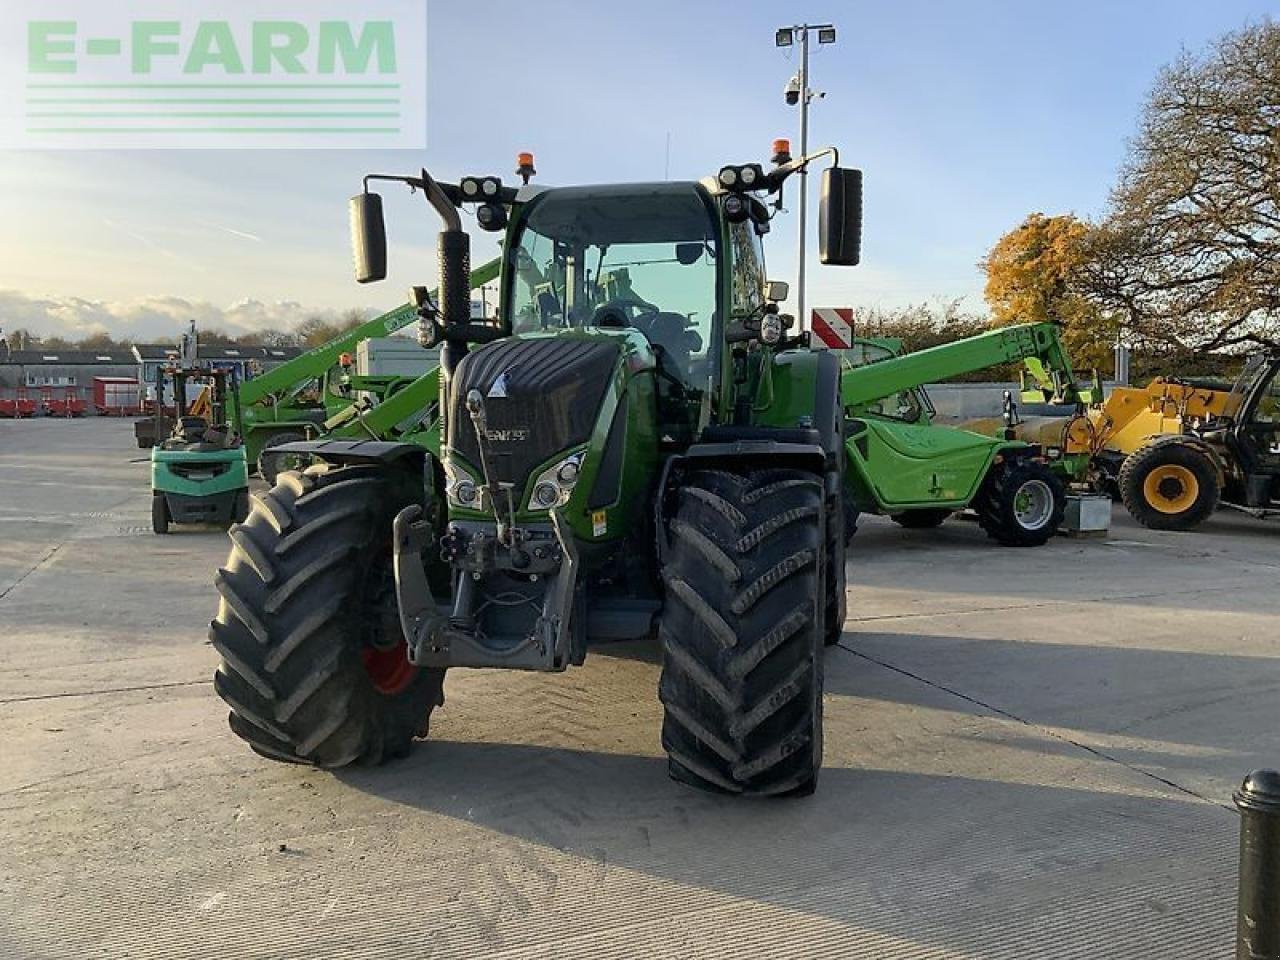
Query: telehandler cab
(636, 443)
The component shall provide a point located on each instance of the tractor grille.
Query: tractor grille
(541, 396)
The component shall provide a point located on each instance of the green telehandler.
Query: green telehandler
(636, 444)
(902, 465)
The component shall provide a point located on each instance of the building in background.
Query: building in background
(60, 370)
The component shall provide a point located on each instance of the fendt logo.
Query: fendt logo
(283, 75)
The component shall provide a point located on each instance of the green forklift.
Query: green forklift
(199, 474)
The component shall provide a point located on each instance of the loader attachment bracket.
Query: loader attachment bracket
(420, 617)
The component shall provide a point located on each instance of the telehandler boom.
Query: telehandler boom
(271, 409)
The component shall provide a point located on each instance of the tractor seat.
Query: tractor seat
(192, 429)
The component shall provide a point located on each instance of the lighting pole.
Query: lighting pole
(797, 91)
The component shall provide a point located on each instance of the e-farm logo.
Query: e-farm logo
(281, 74)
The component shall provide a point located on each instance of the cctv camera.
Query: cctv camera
(792, 91)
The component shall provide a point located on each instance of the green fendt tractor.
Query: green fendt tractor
(904, 466)
(635, 445)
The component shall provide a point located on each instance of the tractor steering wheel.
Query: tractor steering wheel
(612, 313)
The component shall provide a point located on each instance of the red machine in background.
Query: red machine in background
(24, 406)
(116, 397)
(75, 405)
(69, 404)
(53, 406)
(8, 406)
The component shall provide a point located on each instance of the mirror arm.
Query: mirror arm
(435, 196)
(775, 177)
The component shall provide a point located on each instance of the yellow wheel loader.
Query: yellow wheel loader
(1173, 451)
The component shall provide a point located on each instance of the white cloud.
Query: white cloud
(146, 318)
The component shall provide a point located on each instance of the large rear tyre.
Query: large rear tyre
(1169, 486)
(272, 463)
(920, 519)
(1021, 503)
(314, 663)
(742, 632)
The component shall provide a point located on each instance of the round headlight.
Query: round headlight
(728, 176)
(470, 188)
(771, 328)
(490, 187)
(546, 494)
(734, 206)
(748, 175)
(568, 472)
(465, 491)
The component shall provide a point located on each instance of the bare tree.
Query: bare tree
(1190, 253)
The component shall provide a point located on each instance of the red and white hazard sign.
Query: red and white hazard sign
(833, 326)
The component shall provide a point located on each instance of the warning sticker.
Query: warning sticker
(599, 523)
(833, 326)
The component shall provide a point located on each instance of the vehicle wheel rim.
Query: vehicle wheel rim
(389, 670)
(1171, 488)
(1033, 505)
(384, 653)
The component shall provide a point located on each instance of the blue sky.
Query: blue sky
(964, 117)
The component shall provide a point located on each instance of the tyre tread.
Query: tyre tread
(742, 670)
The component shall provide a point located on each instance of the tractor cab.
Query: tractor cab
(635, 258)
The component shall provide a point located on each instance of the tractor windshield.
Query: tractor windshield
(638, 256)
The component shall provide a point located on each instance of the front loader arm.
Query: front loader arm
(379, 422)
(301, 369)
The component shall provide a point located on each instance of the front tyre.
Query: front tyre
(1169, 486)
(314, 664)
(1021, 503)
(742, 632)
(159, 513)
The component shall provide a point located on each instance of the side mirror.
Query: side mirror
(840, 217)
(775, 291)
(368, 237)
(688, 254)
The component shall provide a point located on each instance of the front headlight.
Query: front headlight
(460, 487)
(554, 485)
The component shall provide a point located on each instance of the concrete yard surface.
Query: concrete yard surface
(1029, 753)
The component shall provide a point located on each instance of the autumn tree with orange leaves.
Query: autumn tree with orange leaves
(1034, 275)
